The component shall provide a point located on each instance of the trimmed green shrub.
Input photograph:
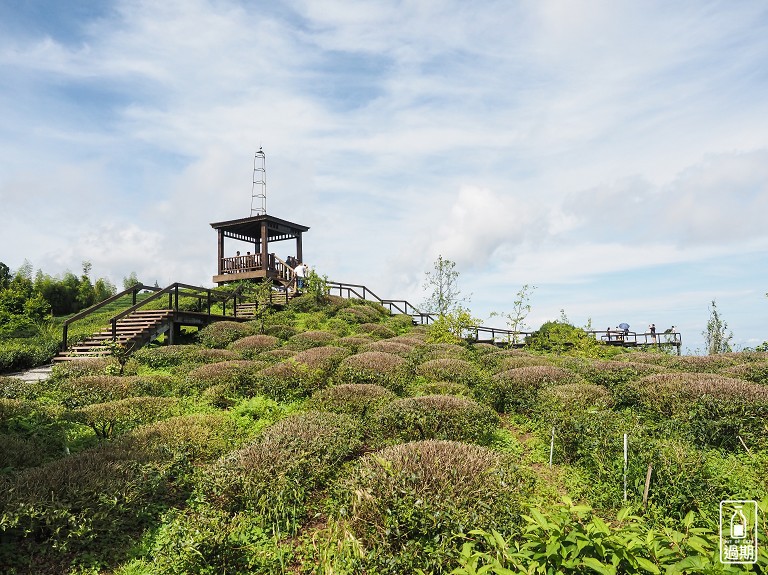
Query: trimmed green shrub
(411, 338)
(450, 369)
(112, 418)
(717, 410)
(355, 342)
(221, 333)
(275, 355)
(570, 397)
(376, 330)
(443, 388)
(492, 359)
(15, 355)
(437, 417)
(374, 367)
(407, 502)
(165, 356)
(36, 422)
(754, 371)
(90, 389)
(326, 358)
(517, 390)
(238, 374)
(310, 339)
(206, 540)
(484, 348)
(430, 351)
(198, 437)
(360, 400)
(17, 388)
(359, 314)
(254, 344)
(272, 477)
(84, 366)
(513, 362)
(287, 381)
(282, 331)
(399, 323)
(389, 346)
(19, 452)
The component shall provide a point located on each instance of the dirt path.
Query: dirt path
(35, 374)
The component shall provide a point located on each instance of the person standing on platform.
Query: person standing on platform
(301, 274)
(652, 329)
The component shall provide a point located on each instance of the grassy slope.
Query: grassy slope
(178, 527)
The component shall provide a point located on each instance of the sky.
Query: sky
(612, 154)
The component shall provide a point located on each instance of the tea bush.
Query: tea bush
(271, 478)
(442, 388)
(406, 502)
(400, 323)
(491, 359)
(112, 418)
(388, 346)
(359, 314)
(360, 400)
(374, 367)
(84, 366)
(165, 356)
(252, 345)
(275, 355)
(36, 422)
(325, 359)
(355, 342)
(90, 389)
(281, 331)
(287, 381)
(513, 362)
(18, 355)
(517, 390)
(754, 371)
(430, 351)
(19, 452)
(449, 369)
(17, 388)
(238, 374)
(570, 397)
(310, 339)
(376, 330)
(220, 334)
(91, 504)
(437, 417)
(203, 539)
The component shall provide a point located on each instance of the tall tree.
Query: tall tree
(442, 283)
(717, 337)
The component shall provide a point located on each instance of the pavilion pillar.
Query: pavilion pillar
(299, 254)
(264, 247)
(221, 250)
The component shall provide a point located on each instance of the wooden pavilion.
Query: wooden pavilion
(257, 232)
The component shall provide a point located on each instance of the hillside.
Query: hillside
(340, 439)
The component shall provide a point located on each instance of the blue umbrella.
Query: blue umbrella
(624, 325)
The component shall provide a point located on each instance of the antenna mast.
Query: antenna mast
(259, 189)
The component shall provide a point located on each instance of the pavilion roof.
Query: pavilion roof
(249, 229)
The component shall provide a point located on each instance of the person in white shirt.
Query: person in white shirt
(301, 274)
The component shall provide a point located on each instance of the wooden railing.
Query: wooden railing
(495, 334)
(246, 263)
(133, 291)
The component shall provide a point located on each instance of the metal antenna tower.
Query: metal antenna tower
(259, 189)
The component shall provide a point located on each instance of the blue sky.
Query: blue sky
(613, 154)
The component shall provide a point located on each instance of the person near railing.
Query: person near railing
(301, 272)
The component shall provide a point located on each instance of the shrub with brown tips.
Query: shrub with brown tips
(310, 339)
(374, 367)
(254, 344)
(437, 417)
(389, 346)
(220, 334)
(90, 389)
(376, 330)
(239, 374)
(418, 495)
(517, 390)
(450, 369)
(112, 418)
(359, 400)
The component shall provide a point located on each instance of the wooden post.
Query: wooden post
(264, 248)
(221, 250)
(647, 484)
(299, 253)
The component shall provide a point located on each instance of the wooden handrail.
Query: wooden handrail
(133, 290)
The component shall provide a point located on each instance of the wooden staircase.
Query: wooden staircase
(132, 331)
